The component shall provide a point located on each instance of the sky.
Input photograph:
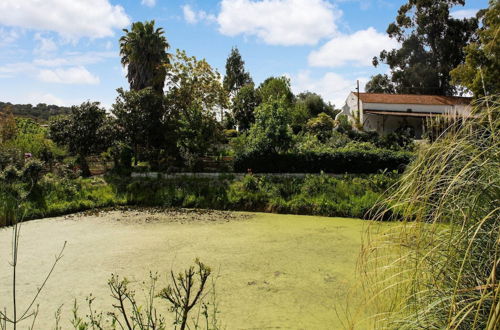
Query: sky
(66, 52)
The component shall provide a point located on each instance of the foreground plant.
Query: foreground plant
(186, 291)
(11, 213)
(440, 268)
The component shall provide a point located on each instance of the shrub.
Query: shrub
(342, 160)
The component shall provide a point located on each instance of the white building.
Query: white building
(385, 113)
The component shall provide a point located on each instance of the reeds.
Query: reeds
(439, 267)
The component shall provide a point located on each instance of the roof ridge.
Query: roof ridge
(404, 94)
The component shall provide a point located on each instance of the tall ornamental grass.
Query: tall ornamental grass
(439, 267)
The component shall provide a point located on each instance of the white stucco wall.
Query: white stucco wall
(386, 124)
(350, 107)
(444, 109)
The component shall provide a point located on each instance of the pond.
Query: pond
(272, 271)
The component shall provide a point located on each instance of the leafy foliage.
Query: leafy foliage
(41, 111)
(274, 88)
(193, 83)
(236, 77)
(432, 45)
(144, 122)
(481, 69)
(380, 83)
(321, 126)
(355, 159)
(85, 132)
(243, 106)
(271, 132)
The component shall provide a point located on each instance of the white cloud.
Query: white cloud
(192, 17)
(189, 14)
(75, 59)
(12, 69)
(45, 45)
(73, 75)
(331, 86)
(358, 48)
(149, 3)
(71, 19)
(464, 13)
(279, 22)
(8, 36)
(35, 98)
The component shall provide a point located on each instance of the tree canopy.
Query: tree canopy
(432, 44)
(380, 83)
(85, 131)
(243, 106)
(481, 71)
(276, 88)
(144, 52)
(236, 77)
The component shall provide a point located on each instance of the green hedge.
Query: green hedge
(342, 160)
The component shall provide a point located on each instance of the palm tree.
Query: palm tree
(144, 50)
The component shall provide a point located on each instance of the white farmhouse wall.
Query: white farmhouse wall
(350, 108)
(444, 109)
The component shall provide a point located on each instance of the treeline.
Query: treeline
(39, 112)
(440, 54)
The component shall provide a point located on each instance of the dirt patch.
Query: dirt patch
(143, 215)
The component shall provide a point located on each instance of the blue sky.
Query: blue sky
(66, 51)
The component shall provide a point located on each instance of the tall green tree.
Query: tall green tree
(143, 122)
(481, 71)
(276, 88)
(236, 77)
(144, 51)
(193, 83)
(380, 83)
(271, 132)
(315, 104)
(194, 96)
(243, 106)
(86, 131)
(432, 44)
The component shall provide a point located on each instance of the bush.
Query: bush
(342, 160)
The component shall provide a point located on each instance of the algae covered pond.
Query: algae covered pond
(273, 271)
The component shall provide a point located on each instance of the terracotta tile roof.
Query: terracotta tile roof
(413, 99)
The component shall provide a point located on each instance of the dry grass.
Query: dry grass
(439, 269)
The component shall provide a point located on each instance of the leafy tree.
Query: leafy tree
(321, 126)
(299, 116)
(40, 111)
(276, 88)
(7, 126)
(315, 104)
(193, 83)
(432, 45)
(198, 134)
(144, 51)
(481, 70)
(143, 121)
(271, 132)
(86, 131)
(244, 104)
(380, 83)
(236, 76)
